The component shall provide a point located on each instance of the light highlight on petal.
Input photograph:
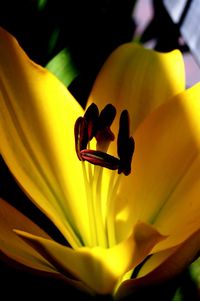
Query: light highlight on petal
(12, 246)
(139, 80)
(37, 116)
(164, 185)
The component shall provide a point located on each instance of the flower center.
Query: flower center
(102, 188)
(93, 124)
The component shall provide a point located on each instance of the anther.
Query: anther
(85, 128)
(91, 116)
(125, 144)
(81, 135)
(104, 134)
(94, 125)
(100, 158)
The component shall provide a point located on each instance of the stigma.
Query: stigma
(95, 124)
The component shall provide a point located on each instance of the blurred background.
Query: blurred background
(73, 38)
(90, 30)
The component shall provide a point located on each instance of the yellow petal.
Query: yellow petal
(163, 188)
(180, 215)
(12, 246)
(37, 116)
(139, 80)
(99, 268)
(15, 251)
(163, 266)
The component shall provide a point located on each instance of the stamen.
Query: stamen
(101, 204)
(81, 135)
(106, 117)
(125, 144)
(86, 128)
(94, 125)
(91, 116)
(100, 158)
(110, 214)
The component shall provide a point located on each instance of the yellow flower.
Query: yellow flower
(112, 212)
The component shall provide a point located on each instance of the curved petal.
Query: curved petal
(180, 215)
(37, 116)
(138, 79)
(164, 186)
(12, 246)
(99, 268)
(15, 251)
(163, 266)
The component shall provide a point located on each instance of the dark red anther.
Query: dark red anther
(91, 116)
(106, 118)
(100, 158)
(123, 133)
(125, 144)
(126, 157)
(81, 135)
(94, 125)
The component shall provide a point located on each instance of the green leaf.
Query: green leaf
(53, 39)
(195, 271)
(62, 67)
(178, 295)
(42, 4)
